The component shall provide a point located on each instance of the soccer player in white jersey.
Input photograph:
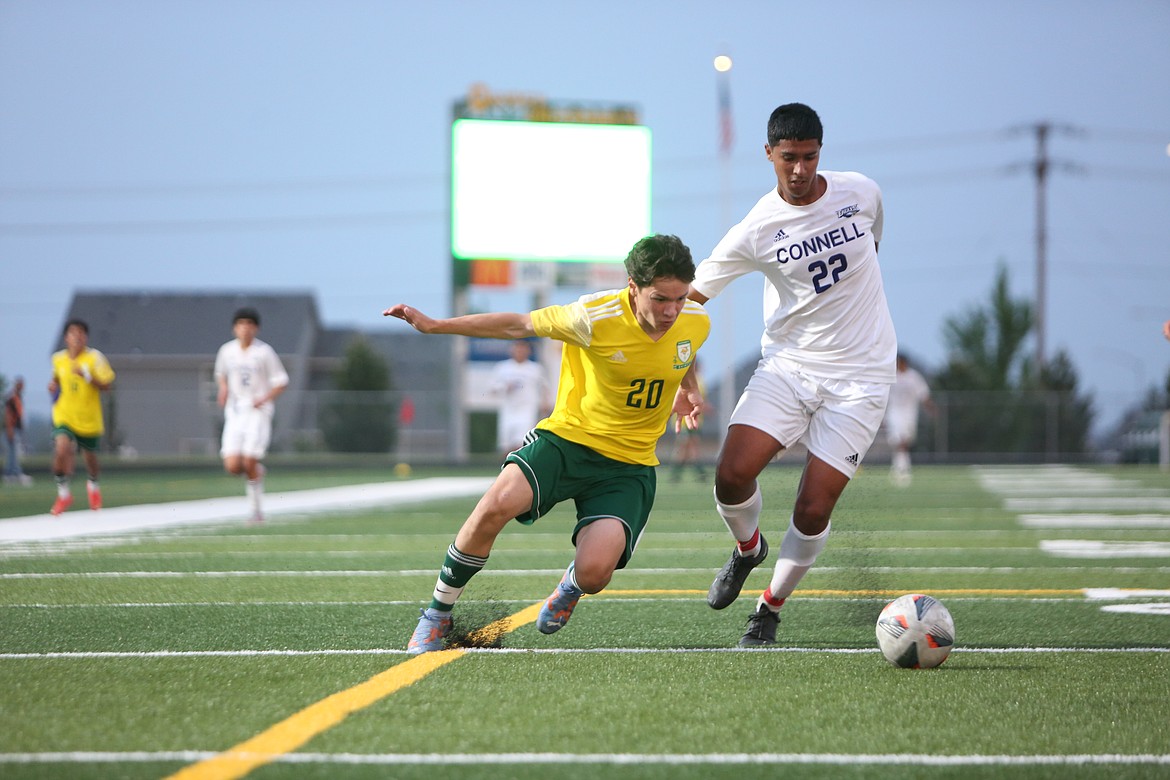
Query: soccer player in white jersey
(627, 354)
(828, 355)
(250, 377)
(910, 391)
(522, 390)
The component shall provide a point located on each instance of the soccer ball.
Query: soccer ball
(915, 632)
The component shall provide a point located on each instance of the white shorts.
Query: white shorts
(901, 427)
(512, 428)
(246, 432)
(837, 419)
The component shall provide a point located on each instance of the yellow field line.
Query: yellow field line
(296, 730)
(872, 593)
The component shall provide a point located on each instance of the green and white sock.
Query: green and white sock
(458, 568)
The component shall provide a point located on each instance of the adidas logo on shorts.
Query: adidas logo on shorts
(852, 459)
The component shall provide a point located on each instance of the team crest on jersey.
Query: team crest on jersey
(848, 211)
(683, 352)
(780, 236)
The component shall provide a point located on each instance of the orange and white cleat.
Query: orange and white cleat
(95, 496)
(60, 505)
(558, 607)
(432, 627)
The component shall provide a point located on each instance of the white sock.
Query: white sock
(445, 594)
(797, 555)
(742, 520)
(254, 491)
(901, 461)
(571, 577)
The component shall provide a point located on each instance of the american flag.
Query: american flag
(726, 125)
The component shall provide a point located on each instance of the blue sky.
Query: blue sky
(304, 146)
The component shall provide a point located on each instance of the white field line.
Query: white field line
(346, 498)
(1092, 548)
(196, 536)
(1077, 486)
(1138, 609)
(1102, 521)
(269, 552)
(669, 759)
(1109, 594)
(326, 573)
(126, 654)
(1065, 503)
(1065, 490)
(594, 600)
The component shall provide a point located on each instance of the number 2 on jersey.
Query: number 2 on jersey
(835, 266)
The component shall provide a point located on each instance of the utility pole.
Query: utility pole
(1041, 170)
(1040, 167)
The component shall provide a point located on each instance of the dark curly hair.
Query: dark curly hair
(657, 256)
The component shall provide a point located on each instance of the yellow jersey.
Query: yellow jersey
(617, 385)
(78, 405)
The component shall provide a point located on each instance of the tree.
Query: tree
(997, 403)
(985, 343)
(361, 415)
(1064, 426)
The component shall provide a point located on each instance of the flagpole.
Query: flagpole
(726, 141)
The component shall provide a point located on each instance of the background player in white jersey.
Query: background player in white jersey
(250, 377)
(828, 355)
(909, 392)
(522, 389)
(627, 353)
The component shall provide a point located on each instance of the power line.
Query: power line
(372, 219)
(146, 189)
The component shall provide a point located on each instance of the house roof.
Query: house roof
(178, 325)
(188, 323)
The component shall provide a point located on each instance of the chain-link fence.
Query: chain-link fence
(421, 427)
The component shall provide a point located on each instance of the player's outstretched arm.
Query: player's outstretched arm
(489, 325)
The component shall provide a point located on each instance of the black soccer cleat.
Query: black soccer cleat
(761, 628)
(729, 581)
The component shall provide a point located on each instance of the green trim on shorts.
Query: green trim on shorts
(558, 470)
(84, 442)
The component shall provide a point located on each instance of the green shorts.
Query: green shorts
(84, 442)
(600, 487)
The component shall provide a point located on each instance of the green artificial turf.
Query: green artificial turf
(120, 654)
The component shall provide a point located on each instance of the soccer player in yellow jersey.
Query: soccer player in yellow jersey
(626, 367)
(80, 374)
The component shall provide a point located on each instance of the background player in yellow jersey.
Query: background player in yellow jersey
(80, 374)
(626, 355)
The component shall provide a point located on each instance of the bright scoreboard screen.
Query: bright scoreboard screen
(548, 190)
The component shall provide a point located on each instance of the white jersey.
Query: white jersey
(909, 391)
(521, 389)
(824, 302)
(251, 373)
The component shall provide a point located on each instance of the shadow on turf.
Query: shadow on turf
(472, 628)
